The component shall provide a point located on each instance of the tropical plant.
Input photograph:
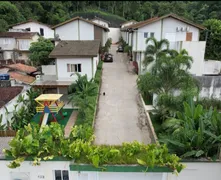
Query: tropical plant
(83, 92)
(195, 132)
(154, 50)
(171, 81)
(50, 143)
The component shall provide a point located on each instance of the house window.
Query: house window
(145, 35)
(152, 34)
(73, 67)
(28, 29)
(24, 44)
(41, 31)
(61, 175)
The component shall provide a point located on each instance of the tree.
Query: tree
(154, 50)
(170, 75)
(3, 25)
(10, 13)
(39, 51)
(213, 45)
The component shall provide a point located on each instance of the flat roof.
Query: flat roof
(52, 97)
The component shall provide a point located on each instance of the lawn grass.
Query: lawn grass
(61, 121)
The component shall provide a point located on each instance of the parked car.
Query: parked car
(108, 57)
(120, 49)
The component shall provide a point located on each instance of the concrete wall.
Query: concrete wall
(114, 34)
(48, 69)
(63, 75)
(197, 51)
(212, 67)
(10, 106)
(35, 27)
(193, 171)
(76, 30)
(211, 86)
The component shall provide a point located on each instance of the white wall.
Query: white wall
(153, 27)
(104, 37)
(86, 31)
(95, 63)
(114, 34)
(212, 67)
(170, 25)
(35, 27)
(63, 75)
(70, 31)
(48, 69)
(102, 23)
(193, 171)
(197, 51)
(10, 106)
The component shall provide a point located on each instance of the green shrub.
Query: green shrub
(207, 103)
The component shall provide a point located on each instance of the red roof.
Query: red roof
(8, 93)
(18, 35)
(22, 67)
(21, 77)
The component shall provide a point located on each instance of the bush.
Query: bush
(207, 103)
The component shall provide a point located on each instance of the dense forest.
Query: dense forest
(53, 12)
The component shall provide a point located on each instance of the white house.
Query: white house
(81, 29)
(15, 45)
(71, 57)
(34, 26)
(181, 34)
(101, 22)
(124, 33)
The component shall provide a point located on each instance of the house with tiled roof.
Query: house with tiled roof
(81, 29)
(71, 57)
(33, 26)
(15, 45)
(181, 33)
(101, 21)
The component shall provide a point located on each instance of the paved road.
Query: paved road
(119, 118)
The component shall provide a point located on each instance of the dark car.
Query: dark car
(120, 49)
(108, 58)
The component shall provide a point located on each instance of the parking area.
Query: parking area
(119, 119)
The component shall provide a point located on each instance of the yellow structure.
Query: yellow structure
(51, 101)
(49, 104)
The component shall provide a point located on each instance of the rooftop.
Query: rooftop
(22, 67)
(76, 48)
(18, 35)
(154, 19)
(21, 77)
(100, 19)
(82, 19)
(30, 20)
(8, 93)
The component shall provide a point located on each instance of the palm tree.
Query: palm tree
(154, 50)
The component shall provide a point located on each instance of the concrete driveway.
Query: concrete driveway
(119, 118)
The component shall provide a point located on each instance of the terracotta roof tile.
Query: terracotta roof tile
(18, 35)
(21, 77)
(22, 67)
(8, 93)
(79, 18)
